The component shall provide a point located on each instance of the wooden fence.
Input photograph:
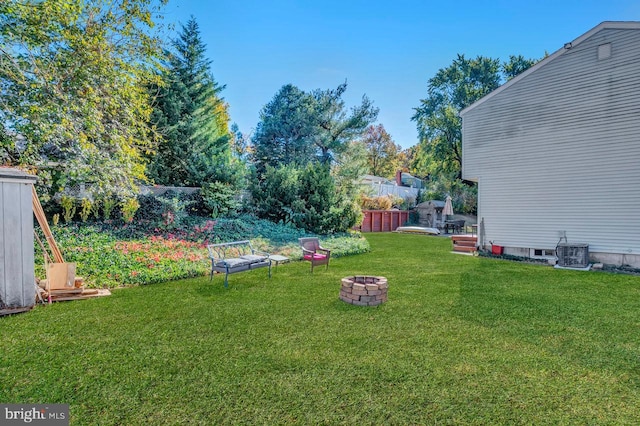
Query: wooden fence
(383, 220)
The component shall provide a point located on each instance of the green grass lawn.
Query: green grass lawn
(462, 340)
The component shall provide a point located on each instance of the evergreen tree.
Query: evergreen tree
(298, 127)
(322, 207)
(305, 158)
(191, 118)
(335, 129)
(307, 198)
(284, 134)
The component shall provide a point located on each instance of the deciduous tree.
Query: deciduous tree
(452, 89)
(383, 154)
(72, 76)
(516, 65)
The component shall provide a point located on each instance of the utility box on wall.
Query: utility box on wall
(17, 276)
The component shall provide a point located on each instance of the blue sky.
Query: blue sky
(387, 50)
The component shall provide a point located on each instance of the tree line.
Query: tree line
(92, 95)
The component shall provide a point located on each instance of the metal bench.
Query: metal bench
(236, 256)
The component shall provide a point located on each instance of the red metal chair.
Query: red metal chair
(313, 252)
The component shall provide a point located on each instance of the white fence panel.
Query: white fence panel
(403, 192)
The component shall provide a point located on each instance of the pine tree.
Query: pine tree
(191, 117)
(299, 127)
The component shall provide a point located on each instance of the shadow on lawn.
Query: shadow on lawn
(579, 316)
(213, 288)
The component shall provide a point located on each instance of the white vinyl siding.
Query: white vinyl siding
(559, 150)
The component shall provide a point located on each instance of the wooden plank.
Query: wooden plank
(69, 298)
(464, 249)
(12, 311)
(61, 276)
(44, 225)
(66, 292)
(82, 296)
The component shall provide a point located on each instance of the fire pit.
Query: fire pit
(364, 290)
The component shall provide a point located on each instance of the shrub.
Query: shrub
(109, 255)
(129, 208)
(307, 198)
(168, 210)
(414, 218)
(405, 203)
(68, 208)
(274, 194)
(322, 208)
(382, 202)
(463, 195)
(85, 209)
(95, 209)
(108, 204)
(219, 198)
(194, 204)
(151, 208)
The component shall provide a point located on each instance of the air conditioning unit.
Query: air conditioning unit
(573, 255)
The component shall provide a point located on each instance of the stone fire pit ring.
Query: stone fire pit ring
(364, 290)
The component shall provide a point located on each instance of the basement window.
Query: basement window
(542, 253)
(604, 51)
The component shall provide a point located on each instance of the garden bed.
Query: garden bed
(110, 255)
(521, 259)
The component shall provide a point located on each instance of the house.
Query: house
(374, 180)
(379, 186)
(556, 151)
(405, 179)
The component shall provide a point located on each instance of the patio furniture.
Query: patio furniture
(277, 259)
(313, 252)
(456, 226)
(236, 256)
